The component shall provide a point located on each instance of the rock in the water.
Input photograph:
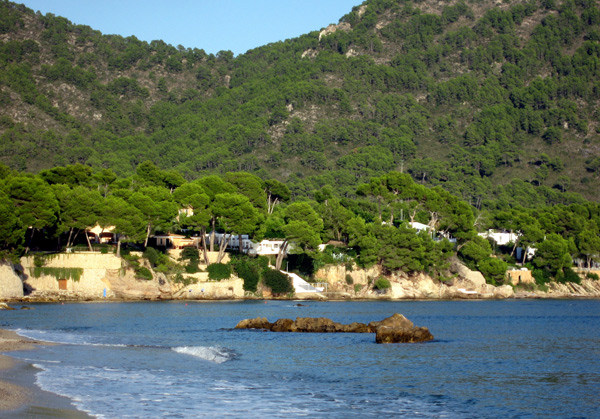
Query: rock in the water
(355, 328)
(390, 334)
(283, 325)
(317, 325)
(396, 321)
(394, 329)
(257, 323)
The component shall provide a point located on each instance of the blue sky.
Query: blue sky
(213, 25)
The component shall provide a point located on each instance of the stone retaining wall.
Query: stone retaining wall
(232, 288)
(92, 282)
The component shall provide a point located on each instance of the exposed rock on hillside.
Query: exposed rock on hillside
(11, 285)
(493, 84)
(334, 28)
(464, 284)
(588, 288)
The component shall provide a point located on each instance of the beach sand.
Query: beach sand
(19, 395)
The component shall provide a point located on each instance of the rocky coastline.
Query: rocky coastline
(105, 279)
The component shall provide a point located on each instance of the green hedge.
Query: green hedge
(143, 273)
(382, 284)
(278, 282)
(249, 272)
(218, 271)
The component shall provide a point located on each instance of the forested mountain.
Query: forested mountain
(496, 102)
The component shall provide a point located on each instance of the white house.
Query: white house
(502, 238)
(234, 241)
(267, 247)
(264, 247)
(419, 226)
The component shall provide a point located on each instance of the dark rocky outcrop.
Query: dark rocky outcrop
(395, 321)
(389, 334)
(283, 325)
(394, 329)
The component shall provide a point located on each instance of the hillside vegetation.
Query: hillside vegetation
(460, 115)
(393, 222)
(497, 102)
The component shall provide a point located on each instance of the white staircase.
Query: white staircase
(301, 286)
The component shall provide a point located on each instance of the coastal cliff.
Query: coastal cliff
(105, 276)
(11, 286)
(463, 283)
(357, 284)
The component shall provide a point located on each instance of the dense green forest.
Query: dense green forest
(495, 102)
(52, 210)
(462, 115)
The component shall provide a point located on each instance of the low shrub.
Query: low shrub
(278, 282)
(525, 287)
(569, 275)
(184, 280)
(382, 284)
(190, 253)
(541, 276)
(143, 273)
(192, 268)
(262, 261)
(152, 255)
(218, 271)
(162, 269)
(349, 279)
(592, 275)
(249, 272)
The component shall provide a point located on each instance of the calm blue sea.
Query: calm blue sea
(515, 358)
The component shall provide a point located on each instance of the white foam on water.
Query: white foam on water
(209, 353)
(63, 338)
(33, 361)
(107, 392)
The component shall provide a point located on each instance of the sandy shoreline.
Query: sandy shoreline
(20, 397)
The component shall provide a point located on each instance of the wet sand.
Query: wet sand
(19, 395)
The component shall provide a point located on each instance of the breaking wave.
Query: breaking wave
(209, 353)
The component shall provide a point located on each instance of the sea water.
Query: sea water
(513, 358)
